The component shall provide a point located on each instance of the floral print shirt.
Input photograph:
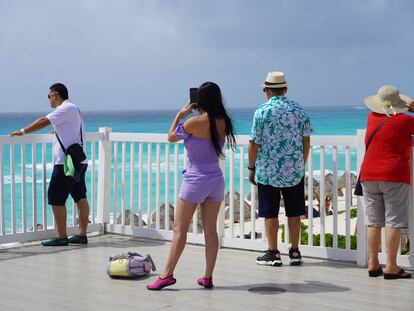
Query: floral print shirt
(278, 128)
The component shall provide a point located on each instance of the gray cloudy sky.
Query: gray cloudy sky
(132, 55)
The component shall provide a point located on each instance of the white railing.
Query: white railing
(135, 188)
(317, 228)
(25, 171)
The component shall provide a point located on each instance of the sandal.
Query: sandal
(400, 275)
(375, 273)
(161, 283)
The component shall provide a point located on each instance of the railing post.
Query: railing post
(362, 257)
(411, 208)
(221, 216)
(104, 176)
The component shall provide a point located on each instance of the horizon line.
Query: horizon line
(172, 109)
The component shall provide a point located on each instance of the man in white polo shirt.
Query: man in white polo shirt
(67, 123)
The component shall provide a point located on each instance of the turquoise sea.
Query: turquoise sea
(333, 120)
(330, 120)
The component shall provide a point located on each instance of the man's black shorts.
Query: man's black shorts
(61, 186)
(293, 197)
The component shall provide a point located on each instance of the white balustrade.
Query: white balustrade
(24, 210)
(151, 175)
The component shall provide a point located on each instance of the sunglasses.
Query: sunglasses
(49, 95)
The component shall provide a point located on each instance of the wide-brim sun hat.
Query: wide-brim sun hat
(388, 101)
(275, 80)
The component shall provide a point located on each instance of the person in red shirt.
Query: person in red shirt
(385, 176)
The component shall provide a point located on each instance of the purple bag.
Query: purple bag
(130, 265)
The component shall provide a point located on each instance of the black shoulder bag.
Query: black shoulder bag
(75, 151)
(358, 186)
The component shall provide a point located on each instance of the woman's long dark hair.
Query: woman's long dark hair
(209, 100)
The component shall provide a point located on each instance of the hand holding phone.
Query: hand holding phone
(185, 111)
(193, 95)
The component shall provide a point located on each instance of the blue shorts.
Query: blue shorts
(61, 186)
(293, 197)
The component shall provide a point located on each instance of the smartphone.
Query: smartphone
(193, 95)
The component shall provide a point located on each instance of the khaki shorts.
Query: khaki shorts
(386, 203)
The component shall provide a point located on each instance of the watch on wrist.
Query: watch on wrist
(251, 168)
(22, 131)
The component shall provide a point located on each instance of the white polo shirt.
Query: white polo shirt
(66, 121)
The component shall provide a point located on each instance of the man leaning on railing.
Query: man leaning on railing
(68, 177)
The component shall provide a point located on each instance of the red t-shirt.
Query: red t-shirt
(388, 155)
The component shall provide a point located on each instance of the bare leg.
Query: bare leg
(272, 227)
(59, 211)
(392, 238)
(83, 214)
(209, 214)
(294, 230)
(374, 242)
(184, 214)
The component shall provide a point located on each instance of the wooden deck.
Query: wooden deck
(74, 278)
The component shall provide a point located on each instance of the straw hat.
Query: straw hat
(388, 101)
(275, 79)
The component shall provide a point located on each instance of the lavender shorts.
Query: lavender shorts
(199, 188)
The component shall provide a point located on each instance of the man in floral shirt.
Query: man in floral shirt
(278, 150)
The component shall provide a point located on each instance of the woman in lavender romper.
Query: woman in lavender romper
(203, 183)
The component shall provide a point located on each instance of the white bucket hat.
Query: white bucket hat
(388, 101)
(275, 80)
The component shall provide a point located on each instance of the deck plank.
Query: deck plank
(74, 278)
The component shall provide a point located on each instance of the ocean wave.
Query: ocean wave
(18, 180)
(49, 166)
(358, 107)
(39, 166)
